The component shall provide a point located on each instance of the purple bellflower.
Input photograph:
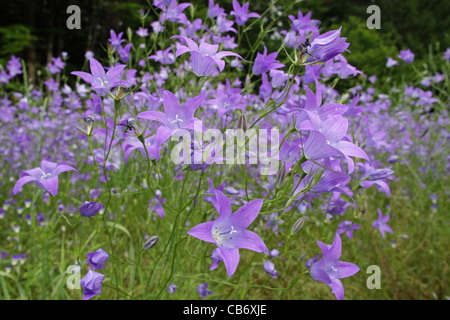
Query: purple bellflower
(406, 55)
(329, 269)
(381, 223)
(46, 176)
(391, 62)
(175, 117)
(327, 46)
(265, 62)
(92, 284)
(204, 57)
(97, 259)
(241, 13)
(101, 80)
(347, 227)
(90, 209)
(229, 232)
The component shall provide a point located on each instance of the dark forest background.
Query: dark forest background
(35, 30)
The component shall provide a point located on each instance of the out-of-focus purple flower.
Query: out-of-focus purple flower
(347, 227)
(89, 209)
(214, 10)
(269, 267)
(163, 57)
(115, 39)
(229, 232)
(45, 176)
(329, 269)
(241, 13)
(446, 55)
(56, 65)
(309, 262)
(142, 32)
(264, 62)
(101, 81)
(92, 284)
(124, 52)
(202, 290)
(171, 288)
(14, 66)
(406, 55)
(174, 11)
(326, 46)
(4, 77)
(204, 57)
(97, 259)
(391, 62)
(381, 223)
(156, 204)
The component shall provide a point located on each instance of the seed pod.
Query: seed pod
(150, 243)
(298, 225)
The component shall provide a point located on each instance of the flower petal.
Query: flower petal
(202, 232)
(230, 259)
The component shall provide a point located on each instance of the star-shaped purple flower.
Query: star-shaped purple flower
(241, 13)
(204, 57)
(329, 269)
(46, 176)
(381, 223)
(229, 232)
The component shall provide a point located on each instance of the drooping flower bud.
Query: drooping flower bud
(150, 243)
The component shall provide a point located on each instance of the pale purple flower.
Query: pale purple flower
(142, 32)
(446, 55)
(175, 116)
(101, 81)
(45, 177)
(214, 10)
(347, 227)
(92, 284)
(264, 62)
(97, 259)
(204, 57)
(391, 62)
(381, 223)
(174, 11)
(329, 269)
(228, 232)
(406, 55)
(14, 66)
(241, 13)
(116, 39)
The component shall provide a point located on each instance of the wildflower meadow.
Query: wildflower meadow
(224, 150)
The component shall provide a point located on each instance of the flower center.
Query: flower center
(177, 121)
(46, 176)
(220, 236)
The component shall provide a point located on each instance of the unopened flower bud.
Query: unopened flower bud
(281, 176)
(89, 123)
(298, 225)
(242, 123)
(150, 243)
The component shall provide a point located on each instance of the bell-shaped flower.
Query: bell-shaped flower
(45, 176)
(228, 232)
(329, 269)
(204, 57)
(175, 116)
